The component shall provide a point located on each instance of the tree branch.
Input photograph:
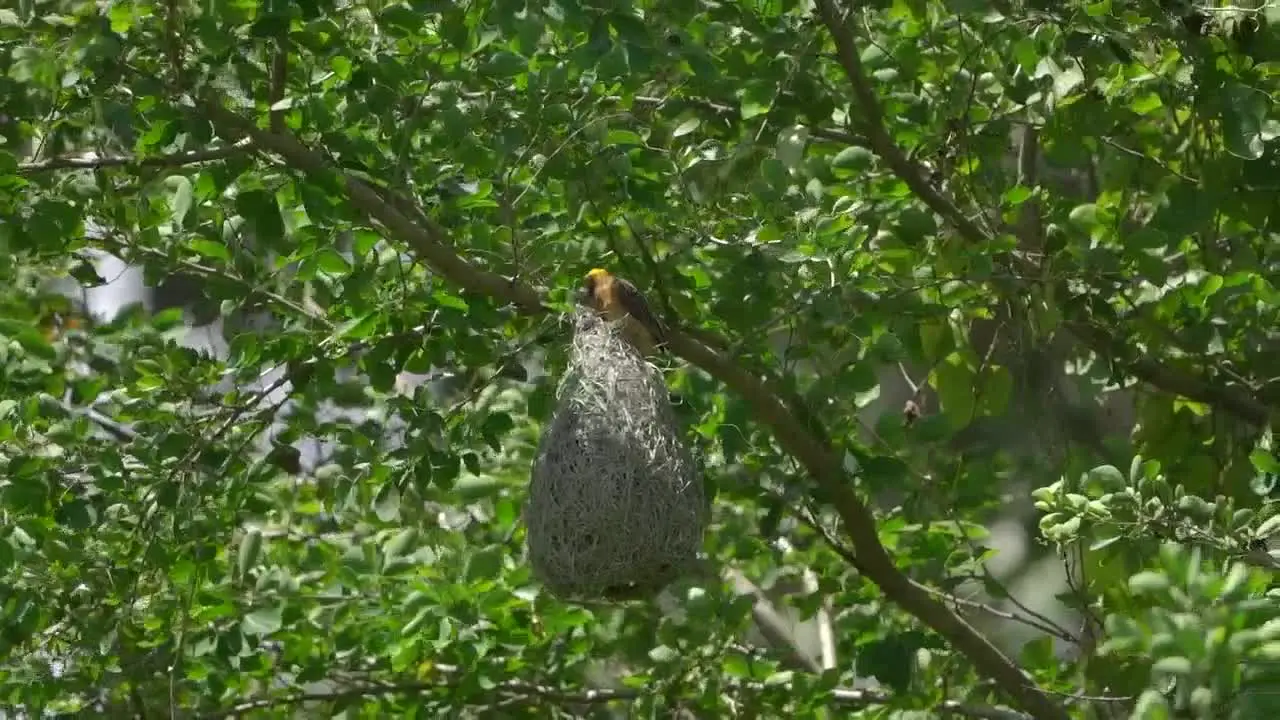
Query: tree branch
(430, 241)
(814, 451)
(1153, 372)
(1234, 400)
(97, 163)
(729, 112)
(989, 660)
(878, 138)
(526, 692)
(837, 136)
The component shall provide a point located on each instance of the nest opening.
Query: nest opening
(616, 506)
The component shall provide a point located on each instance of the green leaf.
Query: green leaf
(260, 209)
(996, 390)
(485, 564)
(1244, 115)
(387, 503)
(1099, 9)
(87, 275)
(780, 678)
(496, 426)
(1151, 705)
(363, 242)
(329, 260)
(1146, 103)
(1148, 583)
(359, 328)
(954, 382)
(447, 299)
(776, 174)
(1105, 542)
(159, 134)
(476, 487)
(1084, 217)
(892, 660)
(250, 549)
(854, 159)
(757, 99)
(1264, 461)
(263, 621)
(401, 19)
(686, 127)
(735, 665)
(77, 515)
(1173, 665)
(402, 543)
(180, 198)
(664, 654)
(7, 555)
(1107, 478)
(623, 137)
(30, 340)
(209, 248)
(504, 64)
(791, 146)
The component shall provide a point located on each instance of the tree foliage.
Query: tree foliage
(927, 266)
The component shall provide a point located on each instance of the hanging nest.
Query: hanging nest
(616, 506)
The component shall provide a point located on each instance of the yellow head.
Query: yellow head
(597, 276)
(589, 283)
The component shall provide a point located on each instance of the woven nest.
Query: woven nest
(616, 507)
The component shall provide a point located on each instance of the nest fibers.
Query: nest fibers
(616, 507)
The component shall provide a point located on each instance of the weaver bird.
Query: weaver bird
(617, 299)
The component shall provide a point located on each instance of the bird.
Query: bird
(617, 299)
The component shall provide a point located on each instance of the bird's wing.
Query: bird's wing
(632, 300)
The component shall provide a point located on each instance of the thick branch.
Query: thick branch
(1098, 340)
(429, 241)
(989, 660)
(96, 163)
(873, 127)
(1234, 400)
(432, 244)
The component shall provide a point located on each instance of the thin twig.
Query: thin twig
(1111, 142)
(119, 249)
(98, 163)
(517, 691)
